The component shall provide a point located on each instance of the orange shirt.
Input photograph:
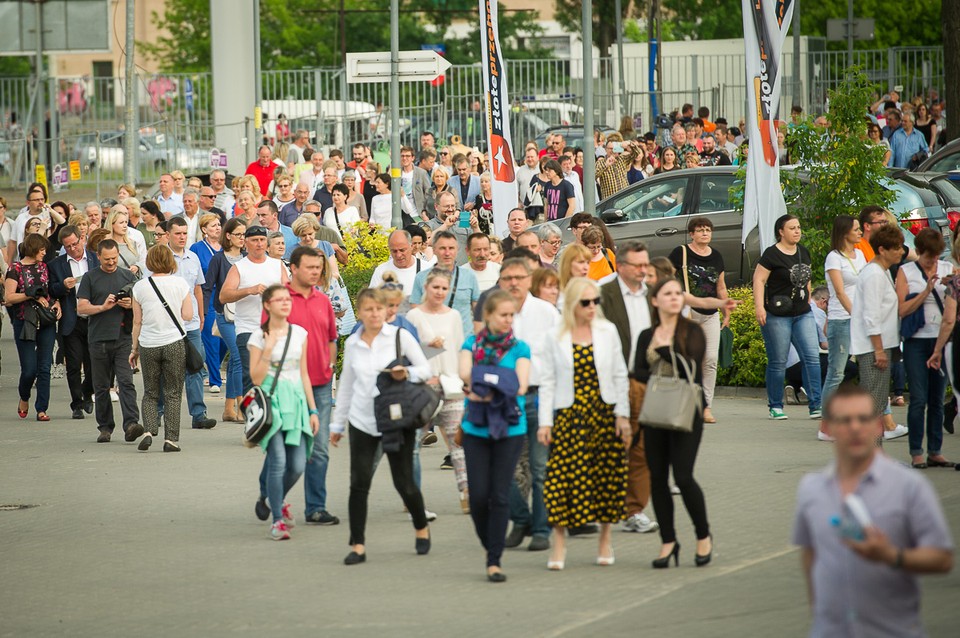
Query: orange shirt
(866, 249)
(602, 267)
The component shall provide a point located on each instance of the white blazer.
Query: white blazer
(556, 375)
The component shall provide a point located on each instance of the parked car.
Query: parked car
(572, 135)
(158, 152)
(945, 159)
(656, 210)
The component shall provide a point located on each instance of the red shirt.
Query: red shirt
(315, 315)
(264, 175)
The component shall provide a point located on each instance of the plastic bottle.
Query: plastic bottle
(853, 520)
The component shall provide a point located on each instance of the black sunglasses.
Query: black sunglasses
(586, 303)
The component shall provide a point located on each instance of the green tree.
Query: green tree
(15, 66)
(569, 13)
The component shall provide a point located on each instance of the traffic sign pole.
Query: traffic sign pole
(395, 186)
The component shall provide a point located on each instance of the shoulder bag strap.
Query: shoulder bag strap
(686, 273)
(283, 357)
(398, 342)
(936, 297)
(606, 255)
(166, 306)
(453, 291)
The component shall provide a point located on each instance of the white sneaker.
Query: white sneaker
(674, 489)
(895, 433)
(431, 516)
(823, 436)
(790, 396)
(114, 396)
(802, 397)
(640, 523)
(214, 389)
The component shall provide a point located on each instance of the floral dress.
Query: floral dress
(26, 276)
(587, 468)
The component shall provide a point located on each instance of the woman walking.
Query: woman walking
(673, 335)
(439, 326)
(492, 455)
(584, 417)
(213, 348)
(280, 346)
(158, 342)
(367, 353)
(701, 270)
(131, 257)
(920, 290)
(781, 299)
(843, 265)
(27, 296)
(216, 274)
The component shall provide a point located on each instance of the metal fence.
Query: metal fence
(177, 108)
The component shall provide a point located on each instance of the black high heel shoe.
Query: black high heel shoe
(663, 563)
(701, 560)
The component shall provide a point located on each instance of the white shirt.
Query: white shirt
(849, 271)
(348, 218)
(487, 277)
(405, 275)
(78, 267)
(172, 205)
(250, 308)
(875, 312)
(139, 240)
(157, 328)
(931, 312)
(291, 364)
(193, 227)
(638, 314)
(446, 325)
(536, 324)
(381, 210)
(574, 179)
(362, 364)
(524, 175)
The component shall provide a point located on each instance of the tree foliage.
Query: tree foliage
(298, 34)
(569, 13)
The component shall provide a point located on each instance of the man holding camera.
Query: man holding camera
(104, 297)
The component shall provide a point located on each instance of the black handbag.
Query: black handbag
(917, 319)
(45, 315)
(404, 404)
(194, 362)
(256, 405)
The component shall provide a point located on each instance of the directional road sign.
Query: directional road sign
(415, 66)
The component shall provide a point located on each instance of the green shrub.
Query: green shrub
(749, 355)
(367, 248)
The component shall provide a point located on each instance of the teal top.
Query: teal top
(520, 351)
(291, 415)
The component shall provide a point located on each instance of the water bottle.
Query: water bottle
(853, 519)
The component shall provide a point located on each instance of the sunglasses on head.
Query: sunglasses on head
(586, 303)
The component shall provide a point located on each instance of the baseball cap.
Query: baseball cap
(255, 231)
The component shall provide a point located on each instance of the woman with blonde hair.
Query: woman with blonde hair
(125, 191)
(205, 249)
(574, 262)
(246, 208)
(130, 256)
(178, 181)
(250, 183)
(82, 223)
(439, 185)
(584, 415)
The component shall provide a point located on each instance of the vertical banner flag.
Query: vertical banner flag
(502, 166)
(765, 26)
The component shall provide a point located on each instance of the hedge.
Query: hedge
(749, 355)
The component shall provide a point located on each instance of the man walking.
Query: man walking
(104, 297)
(862, 580)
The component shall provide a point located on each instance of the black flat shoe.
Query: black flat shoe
(663, 563)
(170, 447)
(423, 546)
(918, 466)
(497, 577)
(704, 559)
(354, 558)
(78, 414)
(932, 463)
(145, 443)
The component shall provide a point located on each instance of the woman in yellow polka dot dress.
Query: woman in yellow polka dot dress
(584, 417)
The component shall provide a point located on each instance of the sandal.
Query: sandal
(42, 416)
(932, 463)
(898, 400)
(22, 411)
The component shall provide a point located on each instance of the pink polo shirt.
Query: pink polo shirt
(315, 314)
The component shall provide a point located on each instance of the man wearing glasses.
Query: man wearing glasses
(862, 574)
(414, 181)
(36, 203)
(554, 147)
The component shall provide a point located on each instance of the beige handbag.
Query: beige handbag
(672, 403)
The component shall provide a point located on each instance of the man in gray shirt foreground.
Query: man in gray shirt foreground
(867, 587)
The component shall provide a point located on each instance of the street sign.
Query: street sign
(56, 178)
(74, 171)
(40, 175)
(863, 29)
(215, 157)
(415, 66)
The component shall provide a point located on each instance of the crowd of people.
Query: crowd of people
(547, 355)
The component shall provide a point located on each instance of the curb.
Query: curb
(734, 392)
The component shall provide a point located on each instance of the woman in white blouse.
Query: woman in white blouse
(439, 326)
(584, 418)
(843, 265)
(367, 353)
(341, 217)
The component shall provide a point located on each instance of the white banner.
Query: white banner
(765, 26)
(502, 166)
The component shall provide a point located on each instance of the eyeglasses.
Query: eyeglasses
(586, 303)
(513, 277)
(35, 201)
(555, 242)
(444, 153)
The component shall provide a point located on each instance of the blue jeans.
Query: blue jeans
(533, 516)
(778, 334)
(838, 338)
(35, 360)
(228, 332)
(242, 340)
(315, 480)
(285, 464)
(212, 347)
(193, 384)
(926, 395)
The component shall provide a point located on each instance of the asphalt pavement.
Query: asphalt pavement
(115, 542)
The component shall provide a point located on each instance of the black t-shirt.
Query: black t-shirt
(786, 292)
(555, 199)
(703, 272)
(716, 158)
(112, 324)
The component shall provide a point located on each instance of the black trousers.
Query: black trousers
(77, 355)
(111, 359)
(490, 466)
(666, 449)
(363, 451)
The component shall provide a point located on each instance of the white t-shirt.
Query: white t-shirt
(157, 328)
(291, 364)
(381, 210)
(849, 270)
(931, 311)
(405, 275)
(250, 308)
(348, 218)
(447, 325)
(487, 277)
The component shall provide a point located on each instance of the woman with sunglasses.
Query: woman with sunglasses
(584, 417)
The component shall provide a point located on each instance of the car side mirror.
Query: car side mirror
(613, 216)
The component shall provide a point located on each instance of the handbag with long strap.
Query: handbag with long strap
(917, 319)
(403, 404)
(194, 362)
(257, 405)
(671, 403)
